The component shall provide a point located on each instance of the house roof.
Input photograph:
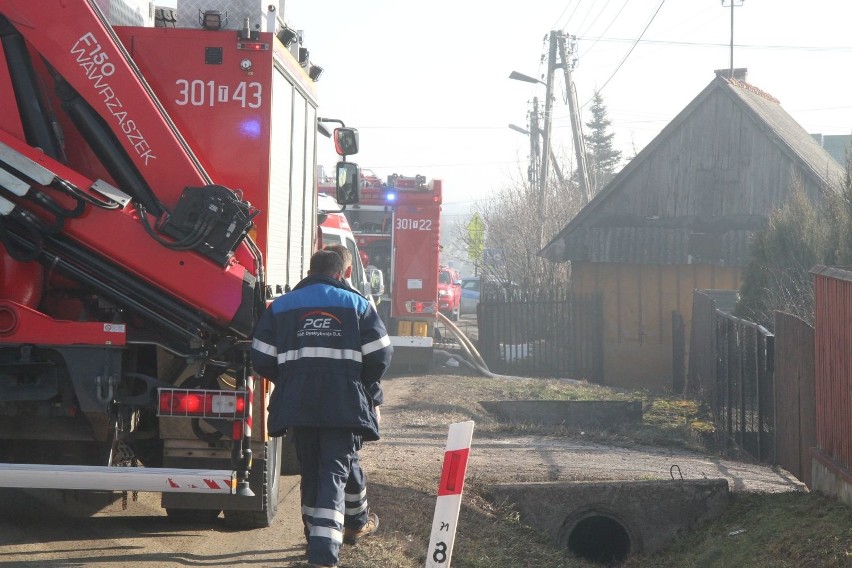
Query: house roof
(767, 113)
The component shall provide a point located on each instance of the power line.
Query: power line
(821, 108)
(632, 47)
(462, 165)
(609, 25)
(569, 17)
(594, 21)
(562, 14)
(431, 127)
(704, 44)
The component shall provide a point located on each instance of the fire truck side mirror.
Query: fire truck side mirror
(348, 183)
(346, 141)
(377, 281)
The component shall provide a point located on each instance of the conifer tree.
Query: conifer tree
(602, 159)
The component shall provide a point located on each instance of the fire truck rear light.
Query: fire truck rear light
(202, 403)
(414, 307)
(251, 46)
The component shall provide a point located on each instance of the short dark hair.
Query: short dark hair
(343, 252)
(326, 262)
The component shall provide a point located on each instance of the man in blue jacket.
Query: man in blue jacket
(325, 350)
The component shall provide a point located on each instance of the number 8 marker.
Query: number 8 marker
(449, 495)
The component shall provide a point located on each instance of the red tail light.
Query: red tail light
(202, 403)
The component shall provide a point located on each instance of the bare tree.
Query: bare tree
(519, 220)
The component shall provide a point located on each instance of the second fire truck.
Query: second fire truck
(397, 226)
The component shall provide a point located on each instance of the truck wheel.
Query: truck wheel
(268, 493)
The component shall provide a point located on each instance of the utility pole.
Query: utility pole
(734, 4)
(576, 124)
(534, 145)
(548, 115)
(532, 169)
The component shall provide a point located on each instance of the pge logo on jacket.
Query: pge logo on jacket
(319, 324)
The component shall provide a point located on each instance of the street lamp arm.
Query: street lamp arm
(525, 78)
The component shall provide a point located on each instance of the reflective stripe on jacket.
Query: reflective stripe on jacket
(325, 349)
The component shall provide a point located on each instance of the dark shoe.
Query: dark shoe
(352, 536)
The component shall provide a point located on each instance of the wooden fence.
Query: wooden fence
(795, 406)
(833, 364)
(553, 334)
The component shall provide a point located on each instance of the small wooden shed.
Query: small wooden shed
(681, 216)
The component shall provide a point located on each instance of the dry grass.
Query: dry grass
(796, 529)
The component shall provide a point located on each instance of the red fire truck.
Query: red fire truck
(397, 226)
(157, 187)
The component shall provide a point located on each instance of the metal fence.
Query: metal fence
(552, 333)
(744, 385)
(739, 387)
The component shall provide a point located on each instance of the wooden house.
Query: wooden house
(681, 216)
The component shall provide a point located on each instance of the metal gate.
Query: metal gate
(744, 410)
(549, 334)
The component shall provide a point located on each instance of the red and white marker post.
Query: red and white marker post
(449, 496)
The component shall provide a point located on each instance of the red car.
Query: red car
(449, 292)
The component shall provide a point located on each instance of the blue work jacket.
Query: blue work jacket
(325, 350)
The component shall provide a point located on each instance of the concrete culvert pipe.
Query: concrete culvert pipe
(600, 538)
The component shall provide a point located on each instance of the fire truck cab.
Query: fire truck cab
(157, 187)
(397, 225)
(335, 230)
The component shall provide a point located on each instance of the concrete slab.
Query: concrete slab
(570, 413)
(829, 477)
(607, 521)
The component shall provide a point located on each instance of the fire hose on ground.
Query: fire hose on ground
(475, 360)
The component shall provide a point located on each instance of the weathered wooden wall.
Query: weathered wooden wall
(717, 163)
(637, 304)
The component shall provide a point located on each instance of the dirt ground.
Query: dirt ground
(40, 529)
(419, 409)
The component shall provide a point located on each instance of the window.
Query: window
(367, 221)
(359, 278)
(328, 240)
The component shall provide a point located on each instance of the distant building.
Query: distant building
(835, 144)
(681, 215)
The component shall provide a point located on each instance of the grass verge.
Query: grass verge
(758, 530)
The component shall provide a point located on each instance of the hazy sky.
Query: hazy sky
(426, 83)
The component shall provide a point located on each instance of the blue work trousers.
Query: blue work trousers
(333, 489)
